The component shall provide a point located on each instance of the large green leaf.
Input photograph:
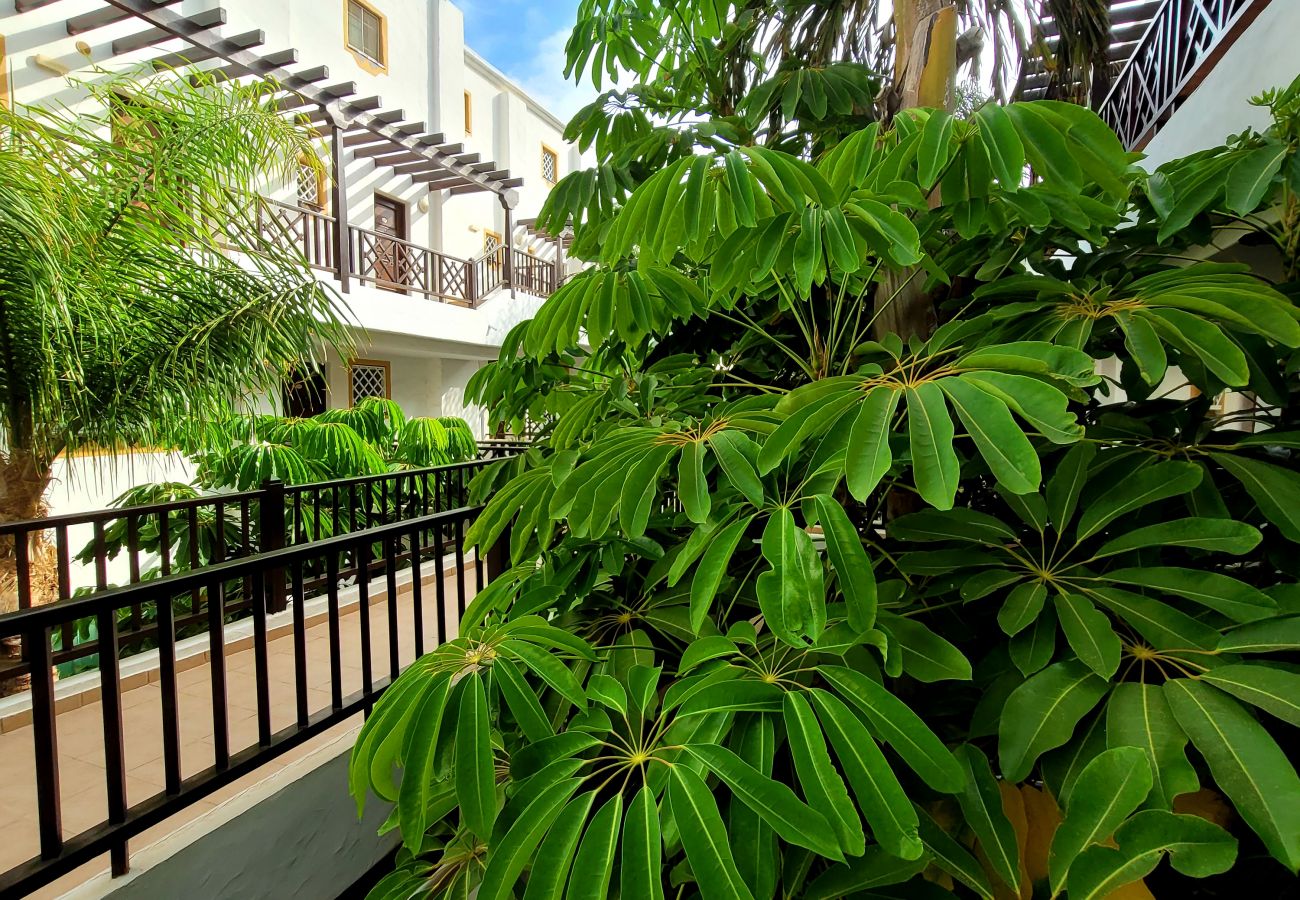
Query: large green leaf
(475, 771)
(712, 569)
(1268, 636)
(791, 593)
(594, 862)
(511, 855)
(934, 463)
(981, 803)
(1042, 713)
(774, 802)
(1196, 848)
(868, 458)
(1006, 450)
(1246, 762)
(880, 797)
(1109, 788)
(641, 869)
(821, 783)
(1138, 715)
(554, 859)
(1089, 632)
(1144, 486)
(849, 559)
(704, 837)
(899, 727)
(1275, 489)
(1272, 689)
(925, 655)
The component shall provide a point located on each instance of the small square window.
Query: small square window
(368, 378)
(366, 32)
(550, 165)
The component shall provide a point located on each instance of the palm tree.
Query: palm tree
(137, 298)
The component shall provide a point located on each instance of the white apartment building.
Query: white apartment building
(442, 159)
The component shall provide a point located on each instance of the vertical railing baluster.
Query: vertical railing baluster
(300, 641)
(417, 592)
(36, 649)
(167, 685)
(64, 555)
(261, 664)
(217, 670)
(219, 539)
(390, 564)
(440, 580)
(196, 593)
(363, 610)
(110, 701)
(133, 557)
(335, 638)
(458, 531)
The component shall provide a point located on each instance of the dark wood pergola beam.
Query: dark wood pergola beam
(98, 18)
(195, 24)
(243, 41)
(173, 24)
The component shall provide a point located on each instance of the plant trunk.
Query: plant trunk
(925, 74)
(24, 480)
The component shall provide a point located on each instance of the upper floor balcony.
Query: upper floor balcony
(372, 257)
(1159, 54)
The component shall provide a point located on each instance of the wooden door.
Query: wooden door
(390, 222)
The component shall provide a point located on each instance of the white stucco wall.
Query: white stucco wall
(1264, 56)
(432, 347)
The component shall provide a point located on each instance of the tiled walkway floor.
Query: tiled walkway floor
(81, 735)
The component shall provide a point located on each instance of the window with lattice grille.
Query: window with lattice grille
(550, 165)
(369, 378)
(311, 194)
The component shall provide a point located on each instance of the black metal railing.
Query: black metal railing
(418, 545)
(143, 543)
(1183, 42)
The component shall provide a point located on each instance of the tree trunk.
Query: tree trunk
(24, 480)
(925, 74)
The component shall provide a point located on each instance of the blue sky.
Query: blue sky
(526, 41)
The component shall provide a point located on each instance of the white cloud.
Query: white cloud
(540, 71)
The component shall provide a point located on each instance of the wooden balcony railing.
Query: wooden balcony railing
(1186, 38)
(399, 265)
(395, 264)
(307, 230)
(532, 275)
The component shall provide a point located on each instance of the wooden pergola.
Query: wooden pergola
(357, 125)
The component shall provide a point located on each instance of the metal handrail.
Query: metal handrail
(412, 542)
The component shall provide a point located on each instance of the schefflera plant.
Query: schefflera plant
(802, 607)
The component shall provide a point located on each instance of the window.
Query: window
(368, 378)
(367, 35)
(310, 185)
(550, 165)
(469, 113)
(304, 392)
(491, 241)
